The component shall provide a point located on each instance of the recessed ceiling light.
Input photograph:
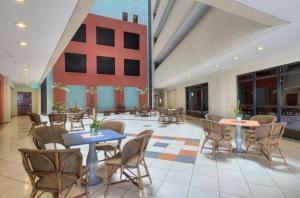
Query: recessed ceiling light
(20, 1)
(23, 43)
(236, 58)
(216, 65)
(260, 48)
(21, 25)
(189, 76)
(25, 70)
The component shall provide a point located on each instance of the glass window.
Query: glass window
(131, 67)
(266, 92)
(197, 100)
(290, 99)
(105, 65)
(105, 36)
(245, 94)
(75, 62)
(80, 35)
(131, 40)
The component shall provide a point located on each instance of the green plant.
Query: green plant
(237, 109)
(95, 124)
(59, 107)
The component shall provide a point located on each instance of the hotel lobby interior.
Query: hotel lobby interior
(150, 98)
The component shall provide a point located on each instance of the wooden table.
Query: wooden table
(84, 137)
(238, 135)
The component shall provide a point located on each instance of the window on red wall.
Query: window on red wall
(135, 18)
(105, 36)
(131, 40)
(75, 63)
(131, 67)
(80, 35)
(125, 16)
(105, 65)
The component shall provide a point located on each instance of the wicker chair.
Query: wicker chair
(58, 119)
(48, 134)
(54, 171)
(213, 117)
(77, 119)
(215, 133)
(131, 157)
(261, 119)
(163, 115)
(107, 147)
(267, 136)
(35, 121)
(179, 115)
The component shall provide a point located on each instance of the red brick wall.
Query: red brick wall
(92, 50)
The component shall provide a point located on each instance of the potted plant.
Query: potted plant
(238, 111)
(95, 126)
(59, 107)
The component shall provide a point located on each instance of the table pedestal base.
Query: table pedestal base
(238, 140)
(92, 163)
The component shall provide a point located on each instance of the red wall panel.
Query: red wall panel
(92, 50)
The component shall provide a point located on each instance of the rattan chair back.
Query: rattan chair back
(48, 134)
(264, 119)
(213, 117)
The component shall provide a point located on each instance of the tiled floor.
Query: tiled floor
(177, 167)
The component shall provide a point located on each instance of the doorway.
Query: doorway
(24, 103)
(197, 100)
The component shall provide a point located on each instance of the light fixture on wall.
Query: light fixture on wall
(192, 94)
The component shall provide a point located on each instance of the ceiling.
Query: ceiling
(46, 21)
(281, 44)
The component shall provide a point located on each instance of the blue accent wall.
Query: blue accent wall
(77, 95)
(105, 98)
(131, 97)
(114, 9)
(49, 81)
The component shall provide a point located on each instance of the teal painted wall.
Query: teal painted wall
(77, 95)
(49, 81)
(131, 97)
(105, 98)
(114, 9)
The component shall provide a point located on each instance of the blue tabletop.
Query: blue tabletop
(74, 139)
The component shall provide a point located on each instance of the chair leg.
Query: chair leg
(140, 183)
(277, 146)
(33, 193)
(214, 150)
(147, 171)
(109, 174)
(205, 140)
(32, 128)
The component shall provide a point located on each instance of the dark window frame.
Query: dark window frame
(80, 35)
(128, 67)
(106, 33)
(101, 70)
(69, 68)
(131, 40)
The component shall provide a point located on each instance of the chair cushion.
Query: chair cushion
(110, 146)
(51, 182)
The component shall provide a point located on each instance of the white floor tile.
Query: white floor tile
(179, 177)
(202, 193)
(172, 190)
(205, 182)
(234, 187)
(260, 191)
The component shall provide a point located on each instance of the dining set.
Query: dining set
(55, 166)
(171, 115)
(260, 131)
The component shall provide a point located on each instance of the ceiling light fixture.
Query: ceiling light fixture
(23, 43)
(236, 58)
(216, 65)
(26, 70)
(20, 1)
(260, 48)
(189, 76)
(21, 25)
